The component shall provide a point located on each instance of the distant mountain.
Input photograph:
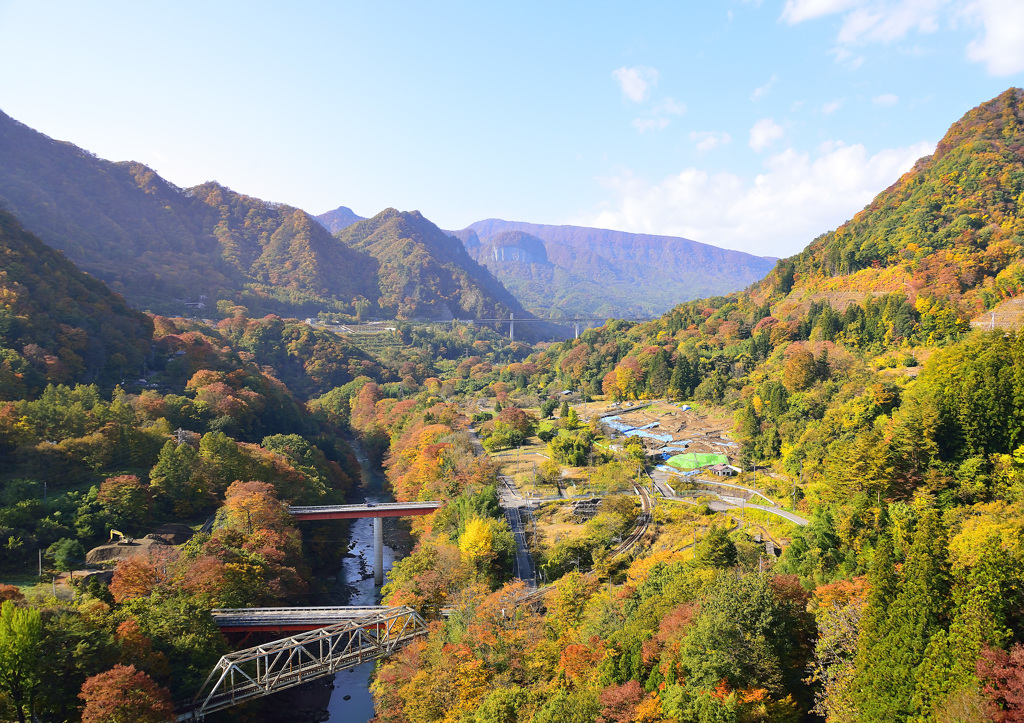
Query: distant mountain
(559, 270)
(949, 233)
(425, 273)
(339, 218)
(162, 246)
(57, 324)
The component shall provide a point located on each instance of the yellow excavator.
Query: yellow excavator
(123, 538)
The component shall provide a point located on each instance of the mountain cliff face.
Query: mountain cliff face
(566, 270)
(425, 273)
(948, 234)
(160, 245)
(56, 323)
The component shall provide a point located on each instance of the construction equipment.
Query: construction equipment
(124, 539)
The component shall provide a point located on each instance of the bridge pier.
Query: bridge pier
(378, 551)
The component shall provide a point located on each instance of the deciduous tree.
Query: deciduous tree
(125, 695)
(21, 633)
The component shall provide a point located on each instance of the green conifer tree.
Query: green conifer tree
(659, 377)
(949, 661)
(679, 383)
(892, 647)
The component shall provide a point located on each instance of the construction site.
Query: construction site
(678, 435)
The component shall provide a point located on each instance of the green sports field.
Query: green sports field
(695, 460)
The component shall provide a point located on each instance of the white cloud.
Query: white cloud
(650, 124)
(886, 99)
(636, 83)
(1001, 46)
(776, 213)
(796, 11)
(764, 133)
(764, 90)
(668, 107)
(886, 21)
(658, 119)
(830, 108)
(709, 140)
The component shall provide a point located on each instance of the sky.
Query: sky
(748, 125)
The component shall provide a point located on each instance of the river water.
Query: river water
(350, 700)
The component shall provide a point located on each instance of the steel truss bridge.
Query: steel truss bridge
(292, 661)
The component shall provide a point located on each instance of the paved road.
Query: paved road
(662, 480)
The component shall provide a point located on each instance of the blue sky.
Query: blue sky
(749, 125)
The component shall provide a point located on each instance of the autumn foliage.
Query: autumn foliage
(125, 694)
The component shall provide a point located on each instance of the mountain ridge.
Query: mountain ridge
(337, 219)
(601, 271)
(173, 250)
(409, 246)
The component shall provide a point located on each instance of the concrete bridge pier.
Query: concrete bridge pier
(378, 551)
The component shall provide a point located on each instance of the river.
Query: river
(350, 700)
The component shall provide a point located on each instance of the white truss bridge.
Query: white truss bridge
(288, 662)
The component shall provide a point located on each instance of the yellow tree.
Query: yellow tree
(477, 543)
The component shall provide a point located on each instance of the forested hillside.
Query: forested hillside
(426, 273)
(58, 324)
(160, 245)
(172, 250)
(950, 231)
(560, 270)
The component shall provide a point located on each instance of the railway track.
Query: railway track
(642, 523)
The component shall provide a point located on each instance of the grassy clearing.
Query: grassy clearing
(676, 523)
(555, 522)
(22, 582)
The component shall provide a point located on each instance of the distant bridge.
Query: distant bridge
(378, 511)
(573, 321)
(292, 661)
